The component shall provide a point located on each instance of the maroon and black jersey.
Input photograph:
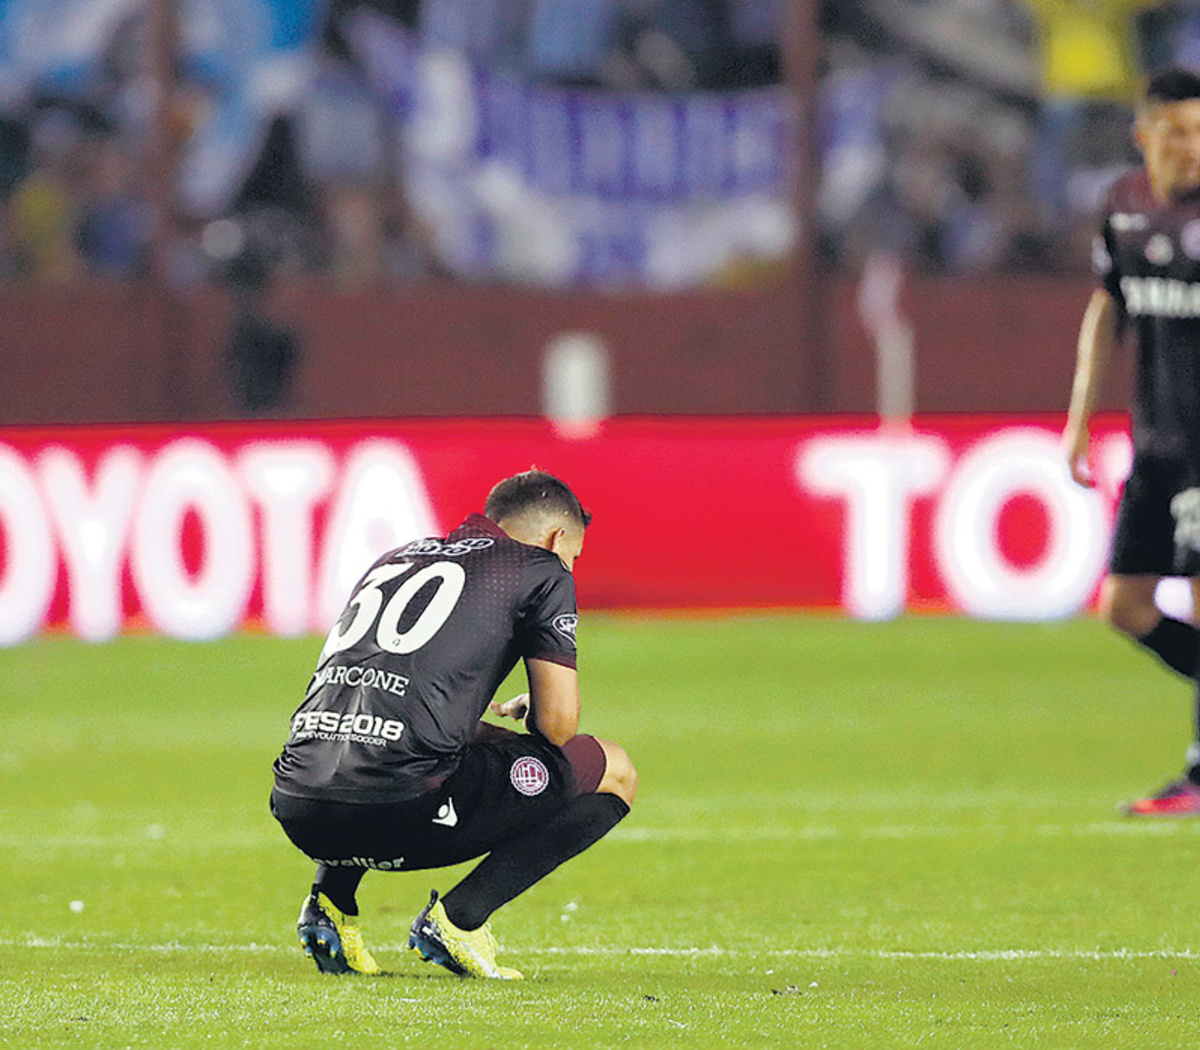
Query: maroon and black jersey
(427, 637)
(1148, 259)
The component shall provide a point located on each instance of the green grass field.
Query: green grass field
(847, 836)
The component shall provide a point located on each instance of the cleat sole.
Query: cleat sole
(324, 950)
(333, 943)
(431, 952)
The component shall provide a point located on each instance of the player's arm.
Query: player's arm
(553, 700)
(551, 707)
(1094, 354)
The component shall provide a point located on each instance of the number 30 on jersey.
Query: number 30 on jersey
(370, 609)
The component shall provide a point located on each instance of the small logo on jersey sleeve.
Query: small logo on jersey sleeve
(529, 776)
(566, 625)
(1159, 250)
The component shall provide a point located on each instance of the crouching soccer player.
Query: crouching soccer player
(388, 765)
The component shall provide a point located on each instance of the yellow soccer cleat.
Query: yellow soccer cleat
(334, 942)
(468, 953)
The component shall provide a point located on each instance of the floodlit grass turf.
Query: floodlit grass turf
(848, 836)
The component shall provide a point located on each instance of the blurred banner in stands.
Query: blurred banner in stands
(550, 185)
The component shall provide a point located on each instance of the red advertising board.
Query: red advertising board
(199, 530)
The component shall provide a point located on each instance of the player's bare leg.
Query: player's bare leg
(620, 777)
(1128, 605)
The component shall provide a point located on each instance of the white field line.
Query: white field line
(965, 955)
(899, 832)
(810, 833)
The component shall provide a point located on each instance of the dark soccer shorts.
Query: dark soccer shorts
(504, 785)
(1144, 537)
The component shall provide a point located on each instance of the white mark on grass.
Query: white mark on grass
(133, 839)
(1037, 954)
(909, 831)
(904, 832)
(76, 907)
(983, 955)
(713, 951)
(1113, 828)
(726, 835)
(1128, 828)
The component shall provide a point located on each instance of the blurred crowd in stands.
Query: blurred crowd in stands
(325, 194)
(963, 136)
(977, 136)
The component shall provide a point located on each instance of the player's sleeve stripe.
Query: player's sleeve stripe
(565, 659)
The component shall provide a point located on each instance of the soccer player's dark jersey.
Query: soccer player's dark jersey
(427, 637)
(1148, 259)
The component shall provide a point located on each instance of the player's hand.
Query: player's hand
(1076, 443)
(517, 707)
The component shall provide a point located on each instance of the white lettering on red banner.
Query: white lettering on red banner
(192, 477)
(878, 476)
(191, 528)
(28, 581)
(200, 531)
(981, 580)
(381, 505)
(93, 524)
(287, 479)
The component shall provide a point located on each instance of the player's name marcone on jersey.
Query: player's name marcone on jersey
(367, 677)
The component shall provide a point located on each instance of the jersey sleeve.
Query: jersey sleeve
(1104, 257)
(547, 620)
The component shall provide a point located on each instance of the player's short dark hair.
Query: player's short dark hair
(534, 490)
(1172, 84)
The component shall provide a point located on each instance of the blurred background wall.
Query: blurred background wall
(237, 209)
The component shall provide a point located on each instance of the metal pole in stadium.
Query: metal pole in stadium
(173, 397)
(801, 57)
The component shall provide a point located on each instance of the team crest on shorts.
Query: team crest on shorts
(529, 775)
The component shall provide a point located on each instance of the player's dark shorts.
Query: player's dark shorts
(502, 787)
(1144, 537)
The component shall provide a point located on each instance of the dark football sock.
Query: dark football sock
(339, 885)
(1176, 643)
(512, 868)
